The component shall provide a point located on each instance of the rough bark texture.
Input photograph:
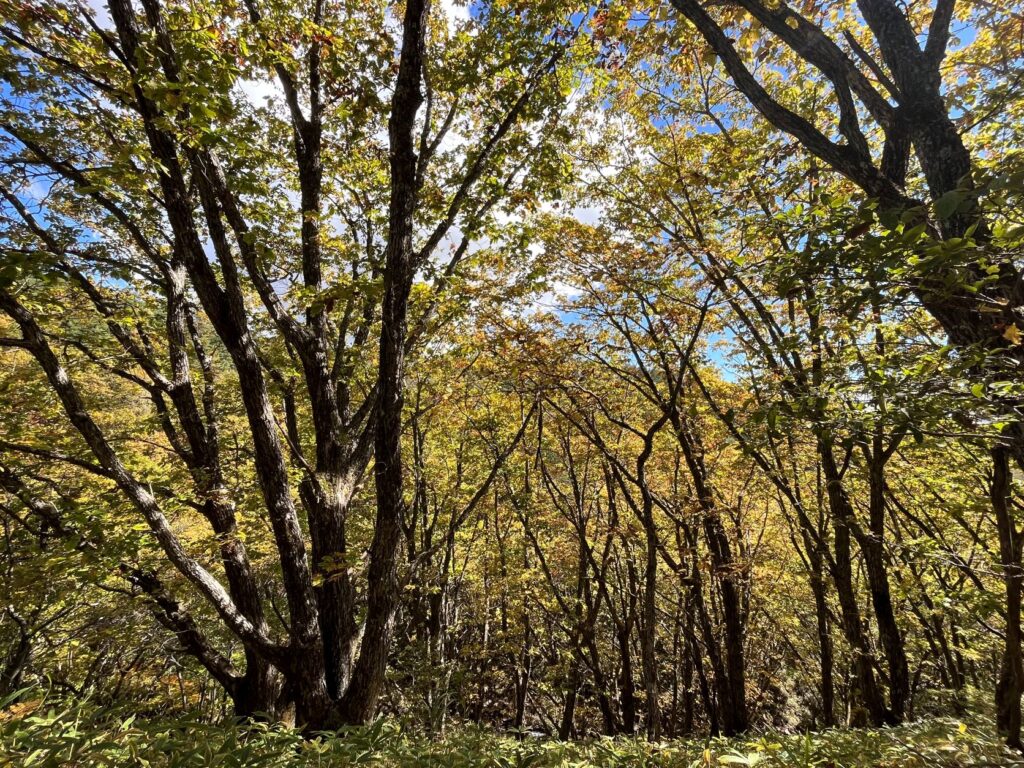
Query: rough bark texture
(360, 701)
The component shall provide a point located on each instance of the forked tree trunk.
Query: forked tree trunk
(359, 702)
(842, 575)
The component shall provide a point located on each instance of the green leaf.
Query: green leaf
(947, 205)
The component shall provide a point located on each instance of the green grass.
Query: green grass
(46, 734)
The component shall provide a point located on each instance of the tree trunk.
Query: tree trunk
(572, 688)
(1011, 673)
(825, 651)
(881, 597)
(360, 700)
(648, 634)
(853, 627)
(627, 689)
(728, 578)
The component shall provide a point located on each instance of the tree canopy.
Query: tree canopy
(619, 368)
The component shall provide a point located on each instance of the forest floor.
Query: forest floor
(48, 735)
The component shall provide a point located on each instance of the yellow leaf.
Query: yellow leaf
(1012, 334)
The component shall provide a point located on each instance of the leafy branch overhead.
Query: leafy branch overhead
(624, 368)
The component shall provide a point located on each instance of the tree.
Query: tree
(622, 369)
(174, 190)
(920, 122)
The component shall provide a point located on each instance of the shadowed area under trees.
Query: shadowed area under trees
(462, 370)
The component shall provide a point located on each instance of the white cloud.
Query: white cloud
(259, 91)
(456, 12)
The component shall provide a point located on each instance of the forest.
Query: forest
(511, 382)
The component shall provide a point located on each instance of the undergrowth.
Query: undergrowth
(46, 733)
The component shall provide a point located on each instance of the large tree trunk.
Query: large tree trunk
(360, 700)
